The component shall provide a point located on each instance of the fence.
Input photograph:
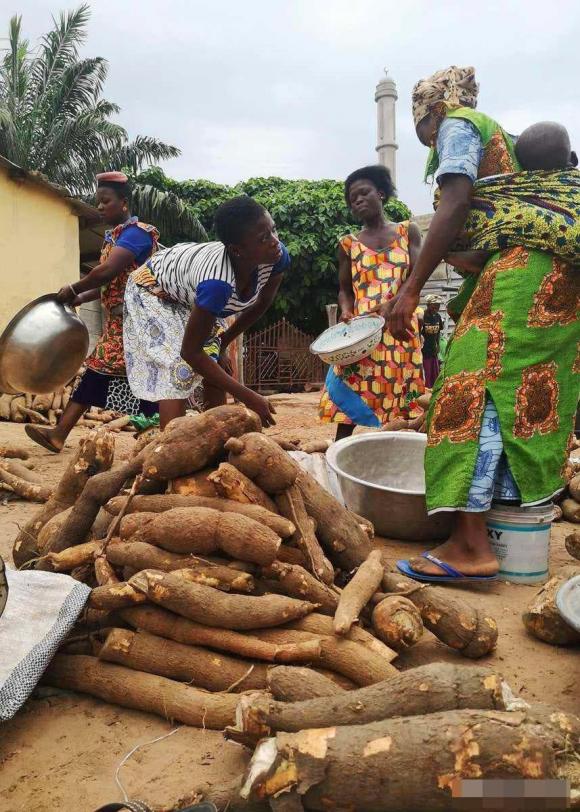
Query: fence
(278, 357)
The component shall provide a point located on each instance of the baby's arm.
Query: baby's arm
(468, 261)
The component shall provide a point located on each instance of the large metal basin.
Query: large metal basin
(42, 348)
(382, 478)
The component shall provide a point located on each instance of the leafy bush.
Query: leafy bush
(311, 216)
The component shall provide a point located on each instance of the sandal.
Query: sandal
(38, 437)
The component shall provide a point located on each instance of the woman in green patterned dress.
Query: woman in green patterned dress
(503, 409)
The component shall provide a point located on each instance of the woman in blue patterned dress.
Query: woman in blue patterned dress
(175, 306)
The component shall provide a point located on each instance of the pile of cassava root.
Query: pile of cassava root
(45, 410)
(214, 561)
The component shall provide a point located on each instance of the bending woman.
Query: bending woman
(372, 267)
(175, 306)
(104, 383)
(504, 405)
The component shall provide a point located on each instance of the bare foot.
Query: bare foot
(47, 438)
(467, 550)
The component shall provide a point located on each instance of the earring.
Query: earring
(124, 208)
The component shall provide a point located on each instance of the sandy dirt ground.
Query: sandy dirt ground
(61, 752)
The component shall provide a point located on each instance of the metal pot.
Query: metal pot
(42, 348)
(382, 478)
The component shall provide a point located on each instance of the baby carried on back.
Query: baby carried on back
(538, 207)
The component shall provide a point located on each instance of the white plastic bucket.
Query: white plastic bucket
(520, 538)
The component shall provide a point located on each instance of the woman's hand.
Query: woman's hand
(346, 316)
(259, 404)
(401, 316)
(66, 295)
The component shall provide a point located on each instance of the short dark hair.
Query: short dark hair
(122, 190)
(545, 145)
(377, 174)
(233, 218)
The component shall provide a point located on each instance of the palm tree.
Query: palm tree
(53, 119)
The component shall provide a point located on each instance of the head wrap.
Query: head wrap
(112, 179)
(433, 300)
(447, 89)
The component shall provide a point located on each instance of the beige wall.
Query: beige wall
(39, 244)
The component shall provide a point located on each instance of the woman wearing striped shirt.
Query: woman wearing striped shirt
(175, 306)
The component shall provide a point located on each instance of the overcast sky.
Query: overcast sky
(270, 87)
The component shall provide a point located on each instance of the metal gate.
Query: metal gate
(278, 357)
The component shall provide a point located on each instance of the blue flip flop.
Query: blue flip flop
(452, 574)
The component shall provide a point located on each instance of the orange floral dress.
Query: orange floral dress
(385, 384)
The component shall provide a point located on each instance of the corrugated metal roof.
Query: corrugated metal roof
(78, 206)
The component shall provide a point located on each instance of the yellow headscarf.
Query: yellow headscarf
(447, 89)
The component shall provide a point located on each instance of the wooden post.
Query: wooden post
(240, 358)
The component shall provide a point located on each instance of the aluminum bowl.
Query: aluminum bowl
(349, 342)
(42, 348)
(381, 477)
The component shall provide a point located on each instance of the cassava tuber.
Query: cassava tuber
(195, 665)
(542, 618)
(359, 664)
(291, 685)
(196, 484)
(570, 510)
(291, 505)
(191, 443)
(423, 690)
(297, 582)
(214, 608)
(397, 622)
(573, 544)
(341, 535)
(455, 622)
(94, 454)
(203, 531)
(159, 621)
(261, 459)
(316, 623)
(421, 758)
(140, 556)
(232, 484)
(159, 504)
(358, 592)
(146, 692)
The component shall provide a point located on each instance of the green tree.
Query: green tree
(54, 120)
(311, 217)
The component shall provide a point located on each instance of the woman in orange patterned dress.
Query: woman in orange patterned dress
(127, 245)
(372, 267)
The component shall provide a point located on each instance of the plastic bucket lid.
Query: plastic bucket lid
(539, 514)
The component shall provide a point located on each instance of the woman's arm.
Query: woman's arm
(251, 315)
(445, 226)
(414, 245)
(89, 296)
(117, 261)
(199, 328)
(468, 261)
(345, 292)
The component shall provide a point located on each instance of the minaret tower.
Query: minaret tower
(386, 98)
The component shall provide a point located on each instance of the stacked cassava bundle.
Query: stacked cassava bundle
(18, 477)
(46, 409)
(215, 603)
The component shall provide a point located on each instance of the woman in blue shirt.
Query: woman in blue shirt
(127, 245)
(176, 305)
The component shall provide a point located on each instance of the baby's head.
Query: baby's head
(545, 145)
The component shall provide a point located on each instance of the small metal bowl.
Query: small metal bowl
(42, 348)
(382, 478)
